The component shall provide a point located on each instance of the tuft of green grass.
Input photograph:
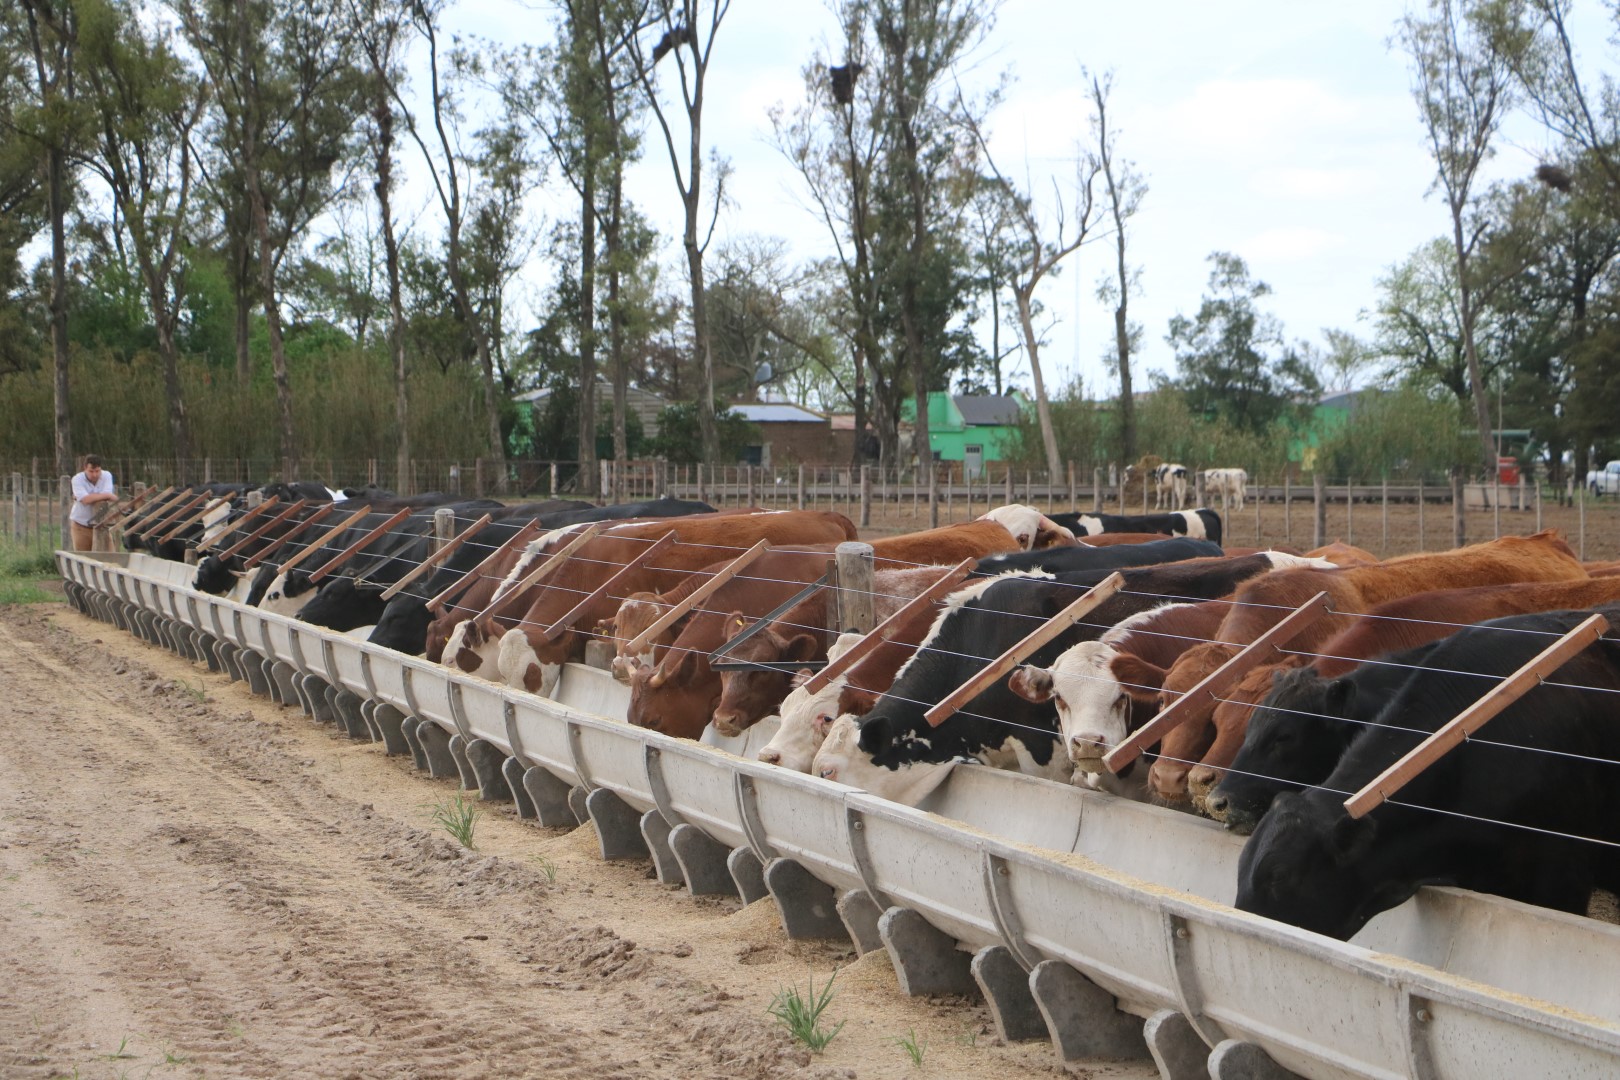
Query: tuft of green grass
(22, 567)
(547, 867)
(914, 1047)
(801, 1013)
(457, 817)
(121, 1054)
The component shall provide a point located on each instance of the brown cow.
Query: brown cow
(677, 696)
(516, 646)
(1259, 605)
(1340, 553)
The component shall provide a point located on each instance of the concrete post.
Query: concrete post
(854, 597)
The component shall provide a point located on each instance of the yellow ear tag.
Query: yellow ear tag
(739, 622)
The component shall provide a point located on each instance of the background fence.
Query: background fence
(1386, 517)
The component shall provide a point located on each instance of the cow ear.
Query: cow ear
(1031, 684)
(1341, 696)
(800, 648)
(1350, 838)
(675, 668)
(736, 623)
(1137, 677)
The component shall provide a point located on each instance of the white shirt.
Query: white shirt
(84, 513)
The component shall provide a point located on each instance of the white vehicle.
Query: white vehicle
(1604, 481)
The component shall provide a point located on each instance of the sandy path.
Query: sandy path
(194, 882)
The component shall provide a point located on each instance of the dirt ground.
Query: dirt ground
(197, 883)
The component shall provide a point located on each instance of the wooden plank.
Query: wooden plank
(700, 594)
(436, 558)
(886, 630)
(264, 528)
(159, 503)
(289, 535)
(186, 522)
(555, 630)
(1003, 664)
(1262, 649)
(1471, 719)
(238, 523)
(503, 599)
(180, 506)
(316, 545)
(353, 549)
(521, 537)
(111, 510)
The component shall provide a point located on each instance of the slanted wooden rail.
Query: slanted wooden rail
(236, 525)
(521, 537)
(315, 545)
(359, 545)
(1261, 650)
(555, 630)
(286, 513)
(163, 504)
(289, 535)
(1003, 664)
(154, 500)
(700, 594)
(436, 558)
(172, 512)
(202, 515)
(1476, 716)
(502, 601)
(886, 630)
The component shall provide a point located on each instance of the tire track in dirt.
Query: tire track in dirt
(246, 894)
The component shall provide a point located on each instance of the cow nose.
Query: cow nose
(1215, 806)
(771, 756)
(1168, 780)
(1088, 744)
(727, 724)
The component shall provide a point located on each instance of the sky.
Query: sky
(1279, 130)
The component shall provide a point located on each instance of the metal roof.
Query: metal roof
(772, 412)
(987, 410)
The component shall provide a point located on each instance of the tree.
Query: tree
(689, 28)
(53, 125)
(147, 104)
(381, 32)
(286, 96)
(1463, 90)
(1041, 252)
(446, 162)
(1125, 189)
(918, 44)
(1233, 360)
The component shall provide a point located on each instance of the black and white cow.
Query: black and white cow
(403, 623)
(1513, 810)
(1201, 524)
(1061, 560)
(893, 752)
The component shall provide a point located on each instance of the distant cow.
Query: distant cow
(1199, 524)
(1229, 484)
(1169, 485)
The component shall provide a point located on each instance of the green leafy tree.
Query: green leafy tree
(1234, 363)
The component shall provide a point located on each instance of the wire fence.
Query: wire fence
(591, 572)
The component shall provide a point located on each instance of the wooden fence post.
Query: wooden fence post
(1580, 497)
(1074, 492)
(753, 497)
(1319, 526)
(801, 486)
(1538, 506)
(703, 485)
(854, 600)
(1459, 526)
(1383, 546)
(1096, 490)
(444, 526)
(1258, 499)
(64, 485)
(1496, 505)
(933, 495)
(1422, 500)
(17, 506)
(866, 497)
(1349, 511)
(1288, 508)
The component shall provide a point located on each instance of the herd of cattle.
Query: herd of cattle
(1530, 808)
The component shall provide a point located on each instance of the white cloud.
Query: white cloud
(1307, 184)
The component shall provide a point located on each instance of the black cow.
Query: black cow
(1199, 524)
(892, 751)
(270, 583)
(1076, 557)
(403, 623)
(1504, 813)
(1298, 733)
(353, 597)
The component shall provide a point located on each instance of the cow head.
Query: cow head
(638, 612)
(676, 697)
(748, 695)
(1304, 866)
(1029, 527)
(847, 757)
(1230, 720)
(465, 648)
(1183, 746)
(805, 717)
(519, 666)
(214, 576)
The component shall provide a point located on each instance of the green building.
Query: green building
(974, 429)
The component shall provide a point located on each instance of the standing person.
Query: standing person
(93, 485)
